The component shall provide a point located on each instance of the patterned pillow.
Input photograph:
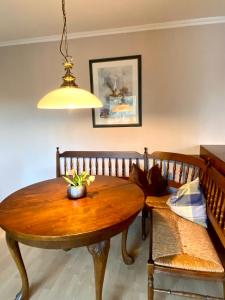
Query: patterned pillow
(189, 203)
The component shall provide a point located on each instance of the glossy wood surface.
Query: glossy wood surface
(43, 212)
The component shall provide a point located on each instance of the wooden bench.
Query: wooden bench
(182, 248)
(177, 169)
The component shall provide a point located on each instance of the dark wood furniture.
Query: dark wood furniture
(214, 190)
(109, 163)
(42, 216)
(177, 169)
(216, 155)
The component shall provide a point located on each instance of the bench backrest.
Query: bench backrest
(110, 163)
(177, 168)
(214, 190)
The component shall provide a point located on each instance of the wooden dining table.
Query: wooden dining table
(41, 215)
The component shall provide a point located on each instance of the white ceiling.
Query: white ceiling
(24, 19)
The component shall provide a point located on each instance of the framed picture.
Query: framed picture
(117, 82)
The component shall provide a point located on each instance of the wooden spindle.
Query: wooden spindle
(222, 213)
(65, 165)
(181, 172)
(110, 167)
(96, 166)
(186, 174)
(215, 199)
(58, 169)
(167, 169)
(130, 165)
(84, 164)
(209, 194)
(174, 169)
(117, 167)
(219, 206)
(103, 166)
(90, 165)
(71, 163)
(206, 185)
(160, 166)
(146, 160)
(123, 166)
(209, 183)
(193, 173)
(78, 166)
(213, 194)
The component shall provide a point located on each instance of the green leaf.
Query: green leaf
(69, 180)
(75, 177)
(84, 174)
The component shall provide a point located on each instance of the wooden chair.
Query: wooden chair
(177, 169)
(181, 266)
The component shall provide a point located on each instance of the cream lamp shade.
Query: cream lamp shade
(69, 98)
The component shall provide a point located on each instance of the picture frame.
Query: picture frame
(117, 83)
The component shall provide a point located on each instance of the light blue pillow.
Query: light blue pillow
(189, 203)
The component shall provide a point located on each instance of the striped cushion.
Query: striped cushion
(189, 203)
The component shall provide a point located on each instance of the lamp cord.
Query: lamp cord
(64, 41)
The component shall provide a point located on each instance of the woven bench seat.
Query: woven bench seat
(157, 201)
(179, 243)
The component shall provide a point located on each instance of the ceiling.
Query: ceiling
(24, 19)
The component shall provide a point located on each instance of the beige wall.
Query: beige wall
(183, 99)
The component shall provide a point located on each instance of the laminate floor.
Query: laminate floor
(60, 275)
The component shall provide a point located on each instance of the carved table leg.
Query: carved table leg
(150, 282)
(15, 252)
(99, 253)
(128, 259)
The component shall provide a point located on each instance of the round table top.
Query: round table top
(43, 210)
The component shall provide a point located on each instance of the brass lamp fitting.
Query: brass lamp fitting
(68, 78)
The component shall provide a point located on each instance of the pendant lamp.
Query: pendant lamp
(69, 95)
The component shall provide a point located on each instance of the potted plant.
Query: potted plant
(77, 183)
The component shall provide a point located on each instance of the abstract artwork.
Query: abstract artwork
(117, 82)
